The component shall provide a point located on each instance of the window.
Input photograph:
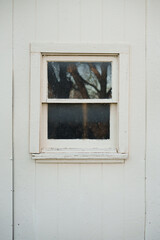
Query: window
(79, 109)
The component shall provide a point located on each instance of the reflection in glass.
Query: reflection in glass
(79, 80)
(78, 121)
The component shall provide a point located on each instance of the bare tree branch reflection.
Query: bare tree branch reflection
(66, 79)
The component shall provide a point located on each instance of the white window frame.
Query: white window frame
(62, 153)
(46, 144)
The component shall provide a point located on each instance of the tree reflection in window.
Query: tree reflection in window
(80, 80)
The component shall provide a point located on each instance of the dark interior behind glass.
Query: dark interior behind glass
(78, 121)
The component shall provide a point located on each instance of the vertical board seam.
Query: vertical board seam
(145, 158)
(12, 180)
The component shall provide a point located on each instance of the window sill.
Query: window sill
(80, 156)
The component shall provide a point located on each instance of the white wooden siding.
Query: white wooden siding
(153, 119)
(6, 120)
(78, 201)
(24, 31)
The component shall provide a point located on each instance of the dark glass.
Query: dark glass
(80, 80)
(78, 121)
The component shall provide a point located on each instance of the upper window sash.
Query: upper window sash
(44, 84)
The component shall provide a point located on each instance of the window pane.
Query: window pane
(79, 80)
(78, 121)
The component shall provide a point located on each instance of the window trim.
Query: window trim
(38, 50)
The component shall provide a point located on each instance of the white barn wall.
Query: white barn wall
(82, 201)
(112, 194)
(95, 201)
(120, 25)
(153, 118)
(6, 119)
(134, 34)
(24, 167)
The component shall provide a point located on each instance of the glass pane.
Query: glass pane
(79, 80)
(78, 121)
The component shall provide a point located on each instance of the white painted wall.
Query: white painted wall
(78, 201)
(6, 120)
(153, 118)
